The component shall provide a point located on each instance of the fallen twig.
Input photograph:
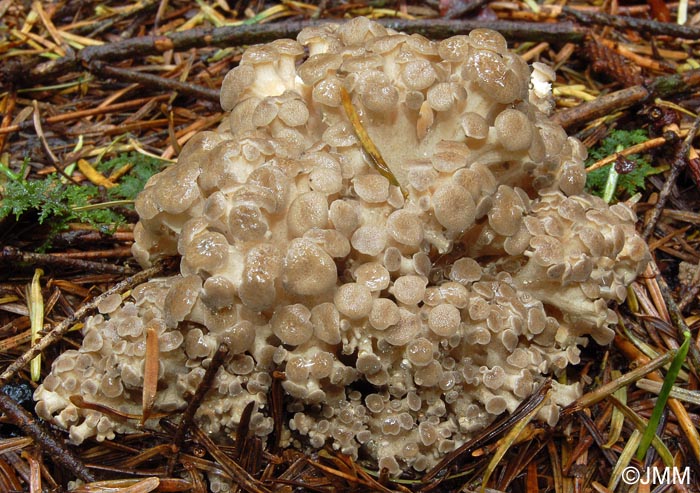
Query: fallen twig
(193, 405)
(645, 146)
(155, 81)
(492, 431)
(49, 444)
(662, 86)
(601, 106)
(227, 36)
(13, 255)
(634, 23)
(76, 115)
(680, 161)
(57, 332)
(241, 477)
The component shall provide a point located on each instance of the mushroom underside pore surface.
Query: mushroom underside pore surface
(394, 223)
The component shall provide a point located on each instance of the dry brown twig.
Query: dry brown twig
(679, 163)
(60, 329)
(662, 86)
(49, 443)
(633, 23)
(10, 255)
(259, 33)
(192, 406)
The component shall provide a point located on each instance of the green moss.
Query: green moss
(627, 183)
(133, 182)
(57, 202)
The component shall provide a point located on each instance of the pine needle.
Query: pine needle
(655, 418)
(686, 395)
(36, 316)
(381, 166)
(150, 373)
(618, 419)
(508, 441)
(640, 423)
(93, 175)
(624, 459)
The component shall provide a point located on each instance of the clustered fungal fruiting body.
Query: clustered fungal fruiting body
(408, 308)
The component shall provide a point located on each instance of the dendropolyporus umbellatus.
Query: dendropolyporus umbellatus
(392, 222)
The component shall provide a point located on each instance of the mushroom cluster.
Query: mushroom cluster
(391, 222)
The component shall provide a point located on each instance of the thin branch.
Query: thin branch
(77, 115)
(679, 163)
(662, 87)
(192, 407)
(59, 330)
(227, 36)
(634, 23)
(239, 475)
(13, 255)
(194, 90)
(49, 444)
(604, 105)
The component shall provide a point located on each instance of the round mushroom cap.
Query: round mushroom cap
(326, 321)
(465, 270)
(444, 320)
(505, 215)
(234, 84)
(369, 240)
(333, 242)
(513, 130)
(293, 113)
(353, 300)
(475, 126)
(418, 74)
(181, 298)
(292, 324)
(309, 210)
(409, 289)
(379, 95)
(373, 189)
(441, 96)
(405, 228)
(488, 39)
(207, 252)
(455, 48)
(261, 269)
(454, 207)
(218, 292)
(384, 314)
(307, 269)
(239, 338)
(373, 275)
(573, 178)
(420, 352)
(405, 330)
(110, 303)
